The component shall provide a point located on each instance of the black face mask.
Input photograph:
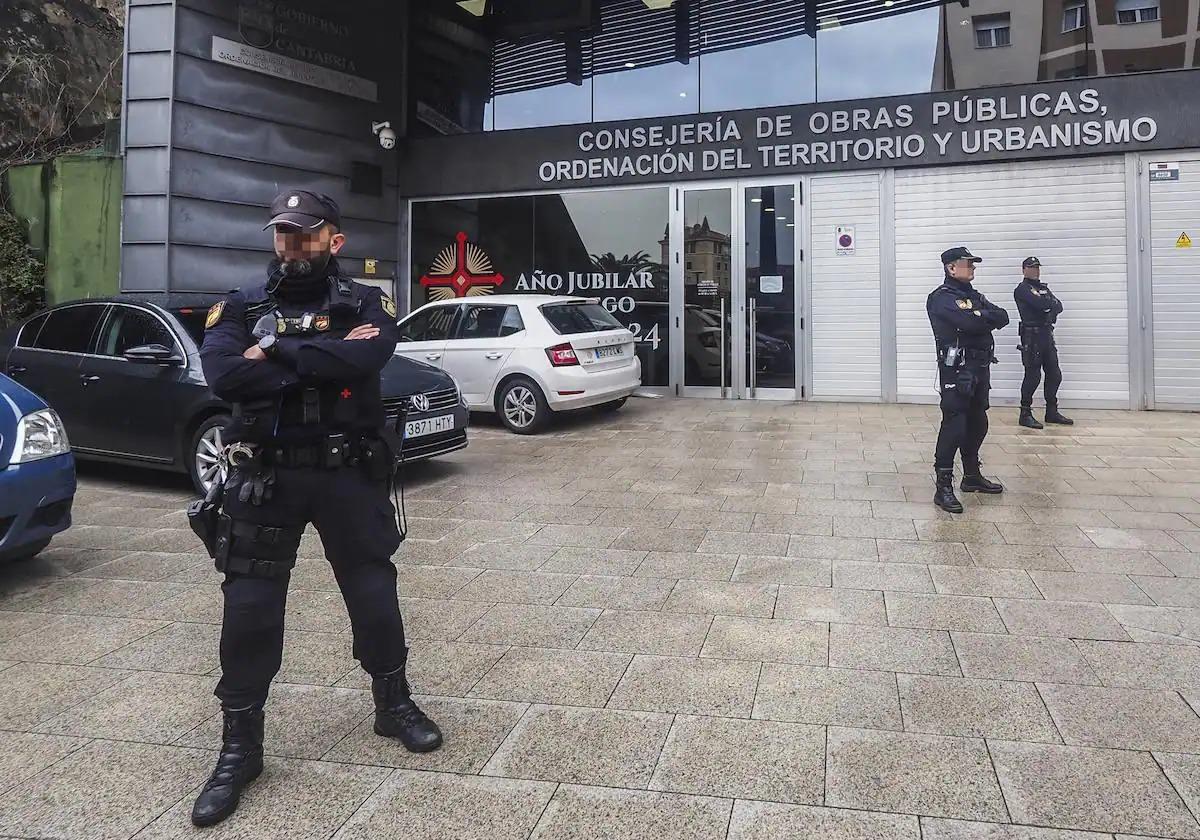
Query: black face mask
(301, 269)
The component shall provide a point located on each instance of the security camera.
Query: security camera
(387, 137)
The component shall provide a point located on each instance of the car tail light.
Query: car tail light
(562, 355)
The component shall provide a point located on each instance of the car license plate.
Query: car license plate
(609, 352)
(428, 426)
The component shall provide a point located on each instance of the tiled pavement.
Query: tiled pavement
(689, 620)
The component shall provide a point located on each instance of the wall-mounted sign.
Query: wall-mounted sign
(1184, 241)
(770, 284)
(258, 60)
(843, 240)
(1164, 172)
(369, 266)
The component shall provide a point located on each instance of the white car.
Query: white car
(525, 356)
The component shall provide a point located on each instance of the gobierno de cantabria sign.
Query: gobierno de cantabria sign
(1059, 119)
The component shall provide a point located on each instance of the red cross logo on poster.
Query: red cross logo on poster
(460, 270)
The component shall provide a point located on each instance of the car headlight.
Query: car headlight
(40, 435)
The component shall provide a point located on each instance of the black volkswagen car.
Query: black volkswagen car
(124, 376)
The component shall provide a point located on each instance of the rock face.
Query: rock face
(60, 73)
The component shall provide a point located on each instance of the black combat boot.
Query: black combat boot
(1054, 416)
(1028, 420)
(944, 496)
(974, 482)
(397, 716)
(240, 762)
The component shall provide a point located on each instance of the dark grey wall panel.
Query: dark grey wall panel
(197, 269)
(146, 172)
(145, 219)
(205, 176)
(240, 226)
(149, 76)
(151, 28)
(143, 268)
(146, 123)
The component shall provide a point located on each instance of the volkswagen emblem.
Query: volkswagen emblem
(419, 402)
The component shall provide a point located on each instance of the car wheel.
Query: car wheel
(31, 551)
(522, 407)
(610, 407)
(203, 454)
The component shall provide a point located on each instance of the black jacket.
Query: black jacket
(1036, 304)
(960, 314)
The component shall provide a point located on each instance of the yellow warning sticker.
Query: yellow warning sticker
(370, 266)
(1184, 241)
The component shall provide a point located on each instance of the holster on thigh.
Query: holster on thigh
(253, 550)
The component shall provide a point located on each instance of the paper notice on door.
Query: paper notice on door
(770, 284)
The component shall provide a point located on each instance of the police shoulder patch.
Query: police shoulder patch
(963, 303)
(389, 306)
(214, 314)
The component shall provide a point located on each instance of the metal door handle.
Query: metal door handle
(92, 378)
(493, 356)
(433, 357)
(721, 348)
(17, 369)
(753, 346)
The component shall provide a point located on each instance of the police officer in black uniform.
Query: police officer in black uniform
(299, 357)
(1039, 310)
(963, 321)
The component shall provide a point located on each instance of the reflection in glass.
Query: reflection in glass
(755, 55)
(707, 272)
(658, 91)
(770, 287)
(557, 105)
(886, 57)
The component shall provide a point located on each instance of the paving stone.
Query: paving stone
(76, 639)
(891, 649)
(25, 754)
(935, 829)
(938, 530)
(104, 789)
(974, 707)
(722, 598)
(495, 555)
(733, 542)
(834, 696)
(578, 813)
(524, 624)
(607, 747)
(435, 581)
(319, 658)
(1170, 625)
(919, 774)
(1074, 586)
(1091, 789)
(773, 821)
(767, 640)
(1139, 665)
(792, 523)
(832, 548)
(623, 593)
(428, 618)
(787, 570)
(445, 668)
(1184, 773)
(1046, 558)
(428, 805)
(514, 587)
(1123, 718)
(179, 647)
(687, 686)
(1059, 619)
(678, 565)
(647, 632)
(899, 577)
(851, 606)
(942, 612)
(150, 566)
(928, 553)
(1022, 658)
(752, 759)
(474, 729)
(629, 518)
(988, 583)
(563, 677)
(593, 561)
(1170, 592)
(1132, 538)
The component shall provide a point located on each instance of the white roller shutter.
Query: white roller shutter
(1071, 214)
(844, 316)
(1175, 287)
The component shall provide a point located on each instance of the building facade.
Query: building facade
(759, 190)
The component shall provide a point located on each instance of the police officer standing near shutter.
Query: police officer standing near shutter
(1039, 310)
(299, 357)
(963, 321)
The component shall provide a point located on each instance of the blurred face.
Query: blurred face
(1033, 272)
(963, 270)
(302, 251)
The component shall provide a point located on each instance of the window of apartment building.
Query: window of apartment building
(1137, 11)
(1074, 16)
(993, 31)
(1078, 72)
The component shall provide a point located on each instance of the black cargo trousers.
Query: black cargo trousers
(356, 521)
(964, 404)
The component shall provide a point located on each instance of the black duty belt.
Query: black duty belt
(330, 452)
(977, 355)
(1035, 328)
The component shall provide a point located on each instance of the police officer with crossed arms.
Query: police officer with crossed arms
(299, 357)
(963, 321)
(1039, 310)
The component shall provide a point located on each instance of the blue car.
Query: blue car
(37, 473)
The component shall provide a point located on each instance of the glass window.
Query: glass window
(755, 55)
(570, 318)
(70, 329)
(643, 60)
(449, 71)
(884, 56)
(1137, 11)
(127, 327)
(992, 31)
(29, 332)
(1074, 17)
(432, 324)
(707, 235)
(490, 321)
(541, 82)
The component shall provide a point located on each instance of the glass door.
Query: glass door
(735, 290)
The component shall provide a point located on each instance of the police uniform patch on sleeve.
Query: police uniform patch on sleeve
(963, 303)
(214, 315)
(389, 306)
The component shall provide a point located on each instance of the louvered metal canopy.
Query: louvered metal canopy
(629, 34)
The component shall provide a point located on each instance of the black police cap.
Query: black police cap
(302, 209)
(959, 253)
(1031, 262)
